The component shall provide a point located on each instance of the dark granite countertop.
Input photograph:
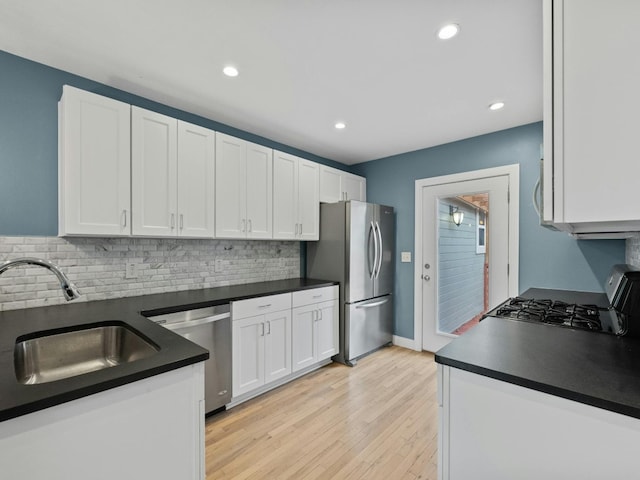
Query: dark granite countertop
(174, 352)
(597, 369)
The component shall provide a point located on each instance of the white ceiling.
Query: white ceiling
(304, 64)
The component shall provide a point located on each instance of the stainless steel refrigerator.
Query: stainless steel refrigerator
(356, 248)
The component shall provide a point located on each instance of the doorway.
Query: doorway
(466, 251)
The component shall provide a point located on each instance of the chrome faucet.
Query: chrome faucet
(68, 288)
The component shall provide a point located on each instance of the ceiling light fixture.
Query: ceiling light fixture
(496, 106)
(230, 71)
(340, 125)
(448, 31)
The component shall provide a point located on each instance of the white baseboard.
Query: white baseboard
(404, 342)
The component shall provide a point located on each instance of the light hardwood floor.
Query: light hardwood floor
(377, 420)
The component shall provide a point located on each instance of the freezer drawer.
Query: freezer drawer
(367, 326)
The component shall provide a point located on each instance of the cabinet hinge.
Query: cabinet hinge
(507, 269)
(508, 196)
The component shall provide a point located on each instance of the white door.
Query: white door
(465, 254)
(196, 181)
(330, 185)
(277, 345)
(231, 187)
(259, 180)
(285, 196)
(302, 335)
(354, 187)
(95, 164)
(326, 330)
(153, 173)
(248, 354)
(308, 200)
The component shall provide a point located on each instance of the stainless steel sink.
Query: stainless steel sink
(48, 358)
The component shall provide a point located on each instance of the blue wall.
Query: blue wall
(547, 258)
(29, 94)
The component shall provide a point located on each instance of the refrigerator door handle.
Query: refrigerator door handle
(380, 257)
(372, 231)
(374, 304)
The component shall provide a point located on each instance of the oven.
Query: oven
(615, 312)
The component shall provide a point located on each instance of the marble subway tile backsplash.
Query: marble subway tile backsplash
(98, 266)
(633, 250)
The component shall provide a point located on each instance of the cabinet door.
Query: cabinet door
(302, 336)
(330, 185)
(354, 187)
(326, 325)
(285, 196)
(259, 180)
(308, 200)
(231, 192)
(248, 354)
(595, 108)
(94, 165)
(196, 181)
(153, 173)
(277, 345)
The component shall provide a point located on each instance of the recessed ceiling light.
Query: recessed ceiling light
(340, 125)
(496, 106)
(230, 71)
(448, 31)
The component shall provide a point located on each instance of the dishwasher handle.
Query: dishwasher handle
(194, 323)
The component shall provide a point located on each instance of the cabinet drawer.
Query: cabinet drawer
(260, 305)
(315, 295)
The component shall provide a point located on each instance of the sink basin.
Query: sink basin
(51, 357)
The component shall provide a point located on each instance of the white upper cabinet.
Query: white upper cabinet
(172, 170)
(590, 116)
(154, 173)
(296, 198)
(336, 185)
(196, 180)
(355, 187)
(94, 165)
(244, 176)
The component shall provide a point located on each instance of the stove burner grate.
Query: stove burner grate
(586, 317)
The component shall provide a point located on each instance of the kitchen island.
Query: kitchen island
(141, 419)
(528, 401)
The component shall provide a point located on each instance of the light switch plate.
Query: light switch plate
(405, 257)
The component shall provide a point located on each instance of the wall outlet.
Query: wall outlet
(218, 267)
(131, 271)
(405, 257)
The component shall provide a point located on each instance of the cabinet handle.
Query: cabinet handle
(300, 229)
(296, 230)
(250, 226)
(262, 329)
(264, 306)
(173, 221)
(319, 314)
(181, 221)
(314, 314)
(317, 296)
(124, 218)
(243, 224)
(268, 327)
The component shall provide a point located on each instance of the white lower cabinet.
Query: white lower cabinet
(314, 328)
(497, 430)
(277, 337)
(261, 341)
(152, 428)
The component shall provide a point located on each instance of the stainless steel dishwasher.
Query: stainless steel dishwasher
(211, 329)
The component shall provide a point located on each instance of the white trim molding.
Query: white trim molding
(405, 342)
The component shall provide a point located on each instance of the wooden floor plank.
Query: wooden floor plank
(377, 420)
